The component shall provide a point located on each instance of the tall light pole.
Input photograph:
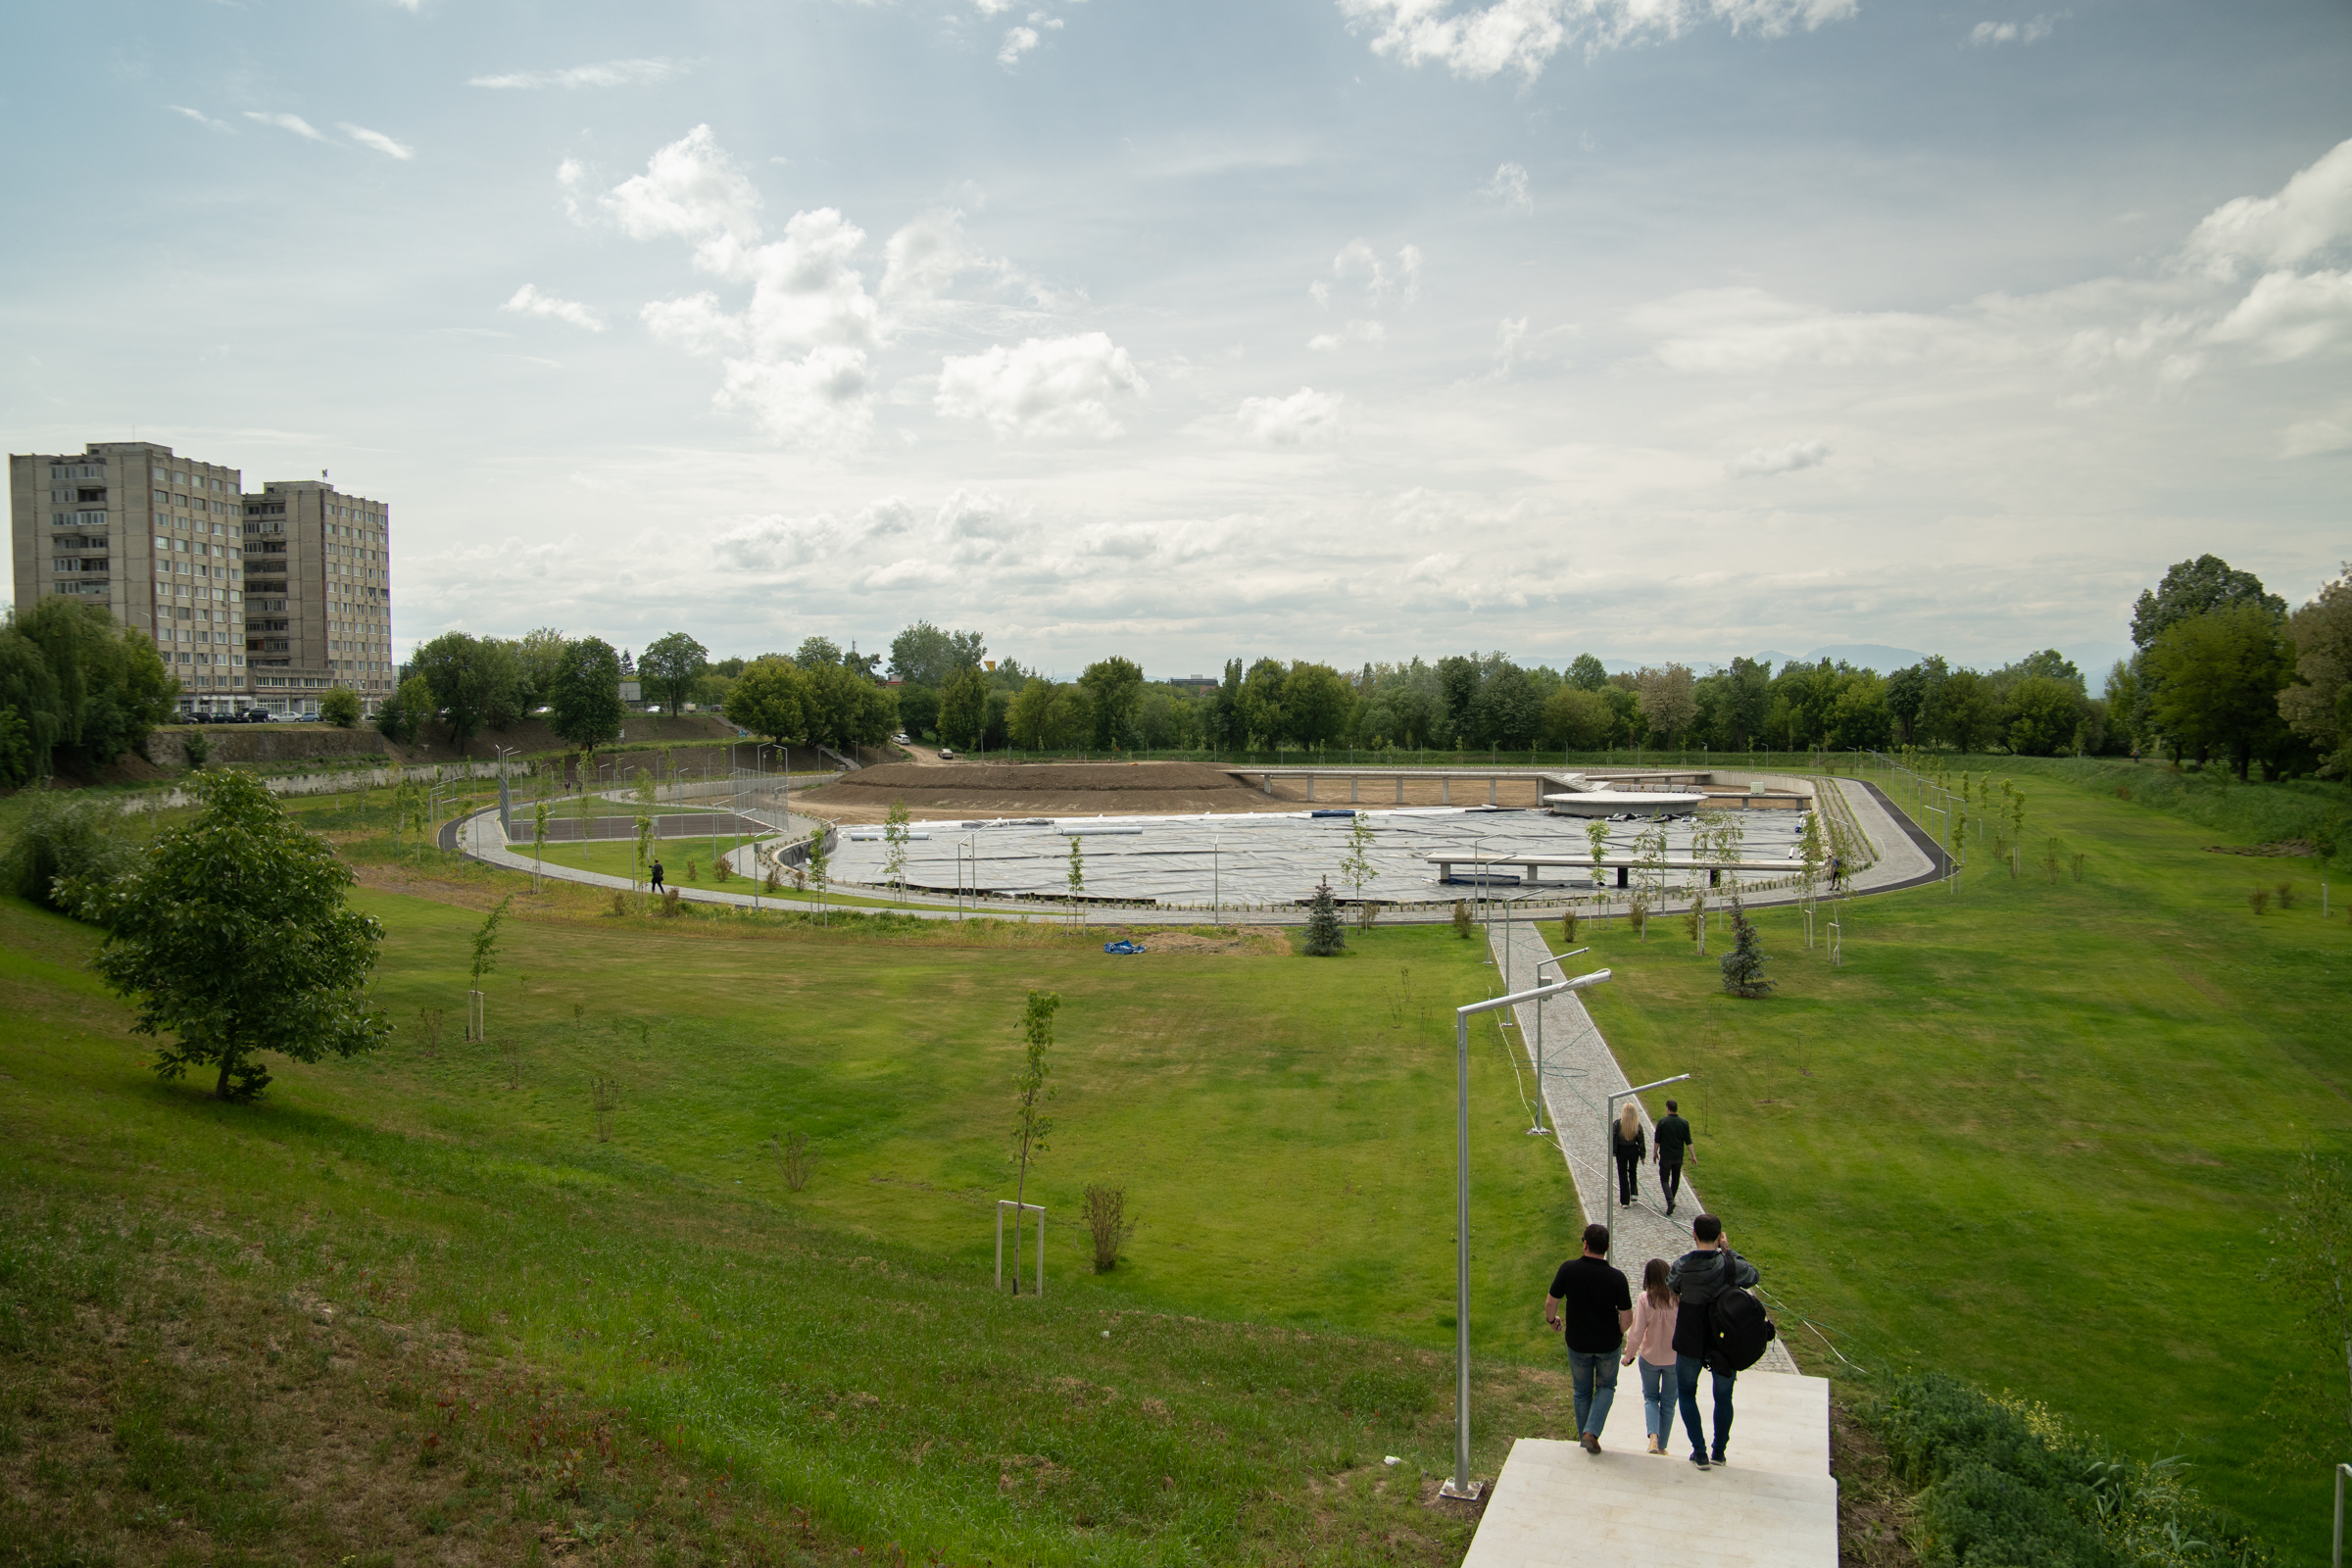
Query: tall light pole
(1538, 1130)
(1461, 1484)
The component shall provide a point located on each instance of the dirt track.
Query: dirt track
(948, 790)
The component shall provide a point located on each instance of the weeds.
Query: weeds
(2260, 898)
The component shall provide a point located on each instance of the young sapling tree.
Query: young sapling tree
(1031, 1126)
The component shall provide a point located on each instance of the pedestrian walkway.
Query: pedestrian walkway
(1774, 1505)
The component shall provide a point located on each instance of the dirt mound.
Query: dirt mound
(998, 789)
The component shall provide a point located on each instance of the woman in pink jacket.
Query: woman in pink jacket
(1653, 1340)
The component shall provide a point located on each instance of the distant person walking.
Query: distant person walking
(1674, 1147)
(1590, 1303)
(657, 876)
(1626, 1139)
(1696, 1279)
(1651, 1339)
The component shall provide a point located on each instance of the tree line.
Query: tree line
(2219, 670)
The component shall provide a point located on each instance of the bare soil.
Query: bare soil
(935, 790)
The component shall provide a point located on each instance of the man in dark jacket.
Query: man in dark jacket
(1697, 1277)
(1673, 1143)
(1591, 1304)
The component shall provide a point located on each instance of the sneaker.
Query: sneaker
(1591, 1443)
(1699, 1459)
(1719, 1459)
(1655, 1447)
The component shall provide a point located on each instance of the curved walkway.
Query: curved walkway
(1906, 857)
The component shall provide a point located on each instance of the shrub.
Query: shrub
(1107, 1217)
(669, 909)
(2260, 897)
(2002, 1481)
(718, 869)
(64, 836)
(798, 1154)
(1462, 923)
(340, 707)
(1568, 928)
(620, 902)
(2123, 792)
(198, 747)
(2286, 895)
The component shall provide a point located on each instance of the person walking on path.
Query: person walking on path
(1674, 1145)
(1590, 1303)
(1653, 1340)
(657, 876)
(1630, 1148)
(1697, 1278)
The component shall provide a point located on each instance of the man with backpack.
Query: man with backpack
(1719, 1326)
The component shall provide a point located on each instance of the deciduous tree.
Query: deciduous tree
(584, 709)
(672, 665)
(233, 936)
(2217, 681)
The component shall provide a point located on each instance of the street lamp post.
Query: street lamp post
(1538, 1130)
(1461, 1486)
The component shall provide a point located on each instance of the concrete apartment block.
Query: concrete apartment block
(150, 535)
(254, 601)
(319, 594)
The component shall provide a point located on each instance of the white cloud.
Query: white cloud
(803, 372)
(992, 8)
(611, 74)
(1511, 337)
(1763, 463)
(2287, 315)
(202, 119)
(690, 188)
(2312, 213)
(779, 544)
(2309, 438)
(1508, 189)
(528, 301)
(1019, 42)
(293, 122)
(1731, 330)
(1985, 34)
(1304, 418)
(377, 140)
(1358, 331)
(924, 257)
(1046, 387)
(1523, 36)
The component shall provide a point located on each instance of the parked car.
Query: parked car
(945, 754)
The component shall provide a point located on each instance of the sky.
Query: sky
(1334, 329)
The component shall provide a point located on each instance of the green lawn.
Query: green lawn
(2031, 1133)
(1283, 1128)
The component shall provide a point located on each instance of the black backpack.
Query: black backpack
(1738, 1327)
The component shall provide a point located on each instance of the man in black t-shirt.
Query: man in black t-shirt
(1674, 1142)
(1590, 1304)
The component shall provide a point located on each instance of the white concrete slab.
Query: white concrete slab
(1774, 1505)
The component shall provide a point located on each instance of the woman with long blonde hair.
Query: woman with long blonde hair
(1651, 1339)
(1631, 1145)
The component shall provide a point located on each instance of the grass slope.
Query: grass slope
(2031, 1133)
(873, 1380)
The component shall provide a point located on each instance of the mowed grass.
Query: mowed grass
(1283, 1127)
(2031, 1133)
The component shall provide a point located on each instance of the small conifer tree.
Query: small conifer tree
(1325, 937)
(1744, 965)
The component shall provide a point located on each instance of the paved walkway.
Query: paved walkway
(1775, 1505)
(1579, 1074)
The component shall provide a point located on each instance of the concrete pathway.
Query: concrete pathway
(1774, 1505)
(1579, 1074)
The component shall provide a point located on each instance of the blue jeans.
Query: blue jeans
(1687, 1368)
(1658, 1386)
(1595, 1379)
